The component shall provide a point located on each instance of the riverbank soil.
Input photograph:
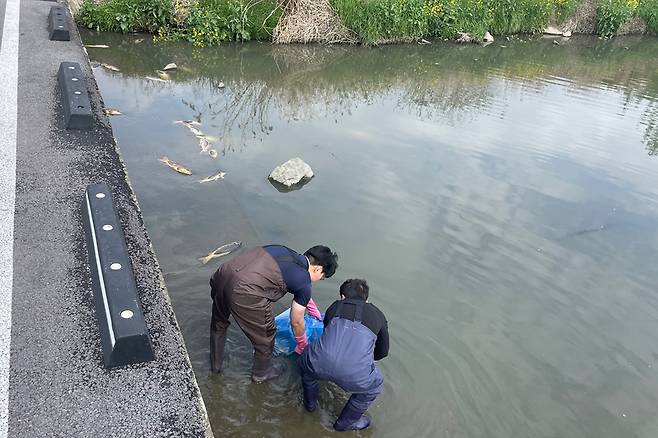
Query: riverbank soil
(57, 383)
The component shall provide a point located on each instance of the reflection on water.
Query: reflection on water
(500, 200)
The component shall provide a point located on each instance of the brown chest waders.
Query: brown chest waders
(245, 287)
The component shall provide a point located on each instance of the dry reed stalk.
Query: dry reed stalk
(310, 21)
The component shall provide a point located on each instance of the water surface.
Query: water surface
(500, 201)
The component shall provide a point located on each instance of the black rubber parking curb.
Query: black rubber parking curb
(123, 333)
(75, 97)
(58, 26)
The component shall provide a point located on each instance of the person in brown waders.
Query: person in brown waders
(246, 286)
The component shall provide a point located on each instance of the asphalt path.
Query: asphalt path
(57, 385)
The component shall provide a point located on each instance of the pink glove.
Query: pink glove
(302, 342)
(313, 310)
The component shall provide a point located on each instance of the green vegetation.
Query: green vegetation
(383, 20)
(209, 22)
(203, 22)
(612, 14)
(648, 10)
(126, 15)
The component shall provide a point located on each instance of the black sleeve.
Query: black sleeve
(329, 314)
(381, 345)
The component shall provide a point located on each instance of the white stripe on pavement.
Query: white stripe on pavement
(8, 109)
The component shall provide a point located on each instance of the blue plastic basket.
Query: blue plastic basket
(284, 341)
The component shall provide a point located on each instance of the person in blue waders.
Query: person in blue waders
(355, 336)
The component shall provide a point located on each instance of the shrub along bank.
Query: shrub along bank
(209, 22)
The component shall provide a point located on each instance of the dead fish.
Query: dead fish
(110, 67)
(187, 122)
(195, 131)
(164, 76)
(170, 66)
(139, 40)
(204, 145)
(221, 251)
(151, 78)
(215, 177)
(96, 46)
(111, 112)
(177, 167)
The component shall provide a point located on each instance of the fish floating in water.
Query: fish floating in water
(177, 167)
(215, 177)
(187, 122)
(151, 78)
(139, 40)
(163, 75)
(221, 251)
(110, 67)
(111, 112)
(205, 147)
(204, 144)
(96, 46)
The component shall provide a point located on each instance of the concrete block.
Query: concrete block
(75, 97)
(123, 333)
(58, 25)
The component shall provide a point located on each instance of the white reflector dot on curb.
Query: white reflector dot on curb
(127, 314)
(100, 195)
(108, 227)
(115, 266)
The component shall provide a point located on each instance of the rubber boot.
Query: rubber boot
(351, 419)
(217, 343)
(311, 396)
(264, 369)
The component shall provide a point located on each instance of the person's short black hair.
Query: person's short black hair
(355, 288)
(321, 255)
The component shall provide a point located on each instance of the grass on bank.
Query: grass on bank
(209, 22)
(202, 22)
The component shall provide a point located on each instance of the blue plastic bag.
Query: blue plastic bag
(284, 340)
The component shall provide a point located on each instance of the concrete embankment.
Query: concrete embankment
(57, 383)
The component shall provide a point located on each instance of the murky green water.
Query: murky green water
(500, 200)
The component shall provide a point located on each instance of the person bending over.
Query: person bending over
(355, 336)
(246, 286)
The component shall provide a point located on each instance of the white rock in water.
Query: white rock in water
(488, 38)
(291, 172)
(170, 66)
(552, 30)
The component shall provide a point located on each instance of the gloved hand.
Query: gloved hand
(302, 342)
(313, 310)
